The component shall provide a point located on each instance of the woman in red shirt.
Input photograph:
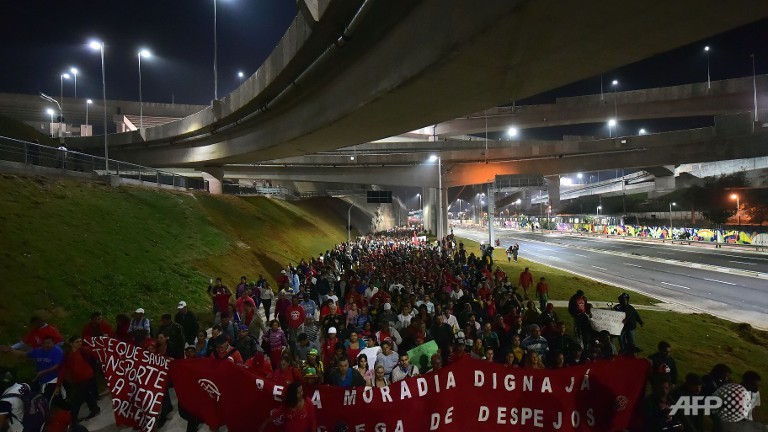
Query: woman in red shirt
(297, 412)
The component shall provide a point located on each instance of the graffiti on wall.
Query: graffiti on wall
(693, 234)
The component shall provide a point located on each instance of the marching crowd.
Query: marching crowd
(350, 316)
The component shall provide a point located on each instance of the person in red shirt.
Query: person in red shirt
(221, 296)
(282, 280)
(295, 316)
(77, 375)
(39, 331)
(224, 351)
(285, 374)
(297, 411)
(542, 292)
(97, 326)
(329, 346)
(259, 364)
(526, 281)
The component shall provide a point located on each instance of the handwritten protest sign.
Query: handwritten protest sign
(612, 321)
(135, 377)
(421, 355)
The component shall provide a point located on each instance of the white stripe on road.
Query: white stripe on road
(633, 265)
(583, 256)
(719, 281)
(675, 285)
(600, 268)
(742, 262)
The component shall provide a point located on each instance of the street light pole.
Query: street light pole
(146, 54)
(87, 105)
(706, 50)
(74, 72)
(215, 55)
(439, 160)
(349, 222)
(96, 45)
(670, 218)
(754, 85)
(62, 77)
(738, 216)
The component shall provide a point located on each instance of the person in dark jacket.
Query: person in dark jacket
(631, 320)
(188, 322)
(344, 376)
(175, 336)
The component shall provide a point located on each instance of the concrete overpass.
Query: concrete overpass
(469, 58)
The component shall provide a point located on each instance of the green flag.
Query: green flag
(421, 356)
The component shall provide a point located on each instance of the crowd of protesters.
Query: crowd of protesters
(349, 316)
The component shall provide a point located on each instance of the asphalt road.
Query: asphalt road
(734, 297)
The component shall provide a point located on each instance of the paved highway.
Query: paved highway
(734, 297)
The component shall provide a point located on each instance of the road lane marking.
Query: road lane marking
(633, 265)
(719, 281)
(583, 256)
(675, 285)
(742, 262)
(600, 268)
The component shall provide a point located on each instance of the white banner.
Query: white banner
(612, 321)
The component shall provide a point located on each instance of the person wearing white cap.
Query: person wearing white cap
(139, 322)
(329, 345)
(188, 321)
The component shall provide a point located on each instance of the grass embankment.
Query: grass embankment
(699, 341)
(71, 247)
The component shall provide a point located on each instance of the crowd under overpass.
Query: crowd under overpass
(469, 58)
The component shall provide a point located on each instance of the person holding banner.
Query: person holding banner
(297, 412)
(632, 319)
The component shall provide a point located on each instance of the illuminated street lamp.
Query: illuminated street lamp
(642, 132)
(146, 54)
(670, 218)
(738, 216)
(418, 195)
(74, 73)
(87, 105)
(50, 112)
(241, 75)
(512, 132)
(97, 45)
(706, 51)
(598, 210)
(611, 125)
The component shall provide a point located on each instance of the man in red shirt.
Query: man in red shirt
(97, 326)
(77, 374)
(542, 291)
(39, 330)
(526, 281)
(329, 346)
(295, 316)
(224, 351)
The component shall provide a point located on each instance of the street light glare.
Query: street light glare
(49, 111)
(512, 131)
(95, 45)
(615, 82)
(612, 122)
(145, 53)
(706, 48)
(74, 71)
(579, 175)
(432, 158)
(240, 74)
(642, 132)
(65, 75)
(89, 101)
(734, 196)
(674, 204)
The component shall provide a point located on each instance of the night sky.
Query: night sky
(44, 38)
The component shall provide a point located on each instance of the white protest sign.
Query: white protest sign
(612, 321)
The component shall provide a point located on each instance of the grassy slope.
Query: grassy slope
(699, 341)
(70, 247)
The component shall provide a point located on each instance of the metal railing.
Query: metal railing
(14, 150)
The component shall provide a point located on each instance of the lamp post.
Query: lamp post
(241, 75)
(53, 101)
(754, 85)
(512, 132)
(439, 160)
(738, 216)
(418, 195)
(50, 112)
(74, 73)
(146, 54)
(611, 125)
(62, 77)
(215, 55)
(670, 218)
(614, 86)
(598, 210)
(642, 132)
(96, 45)
(706, 51)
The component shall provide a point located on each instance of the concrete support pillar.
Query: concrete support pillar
(525, 202)
(666, 183)
(553, 191)
(491, 212)
(430, 205)
(444, 197)
(214, 175)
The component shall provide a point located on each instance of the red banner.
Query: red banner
(136, 379)
(469, 395)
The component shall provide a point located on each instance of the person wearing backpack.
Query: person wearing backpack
(20, 409)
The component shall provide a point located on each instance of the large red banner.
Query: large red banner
(469, 395)
(136, 378)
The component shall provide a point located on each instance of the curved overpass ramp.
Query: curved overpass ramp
(410, 64)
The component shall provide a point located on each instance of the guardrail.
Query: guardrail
(756, 247)
(33, 154)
